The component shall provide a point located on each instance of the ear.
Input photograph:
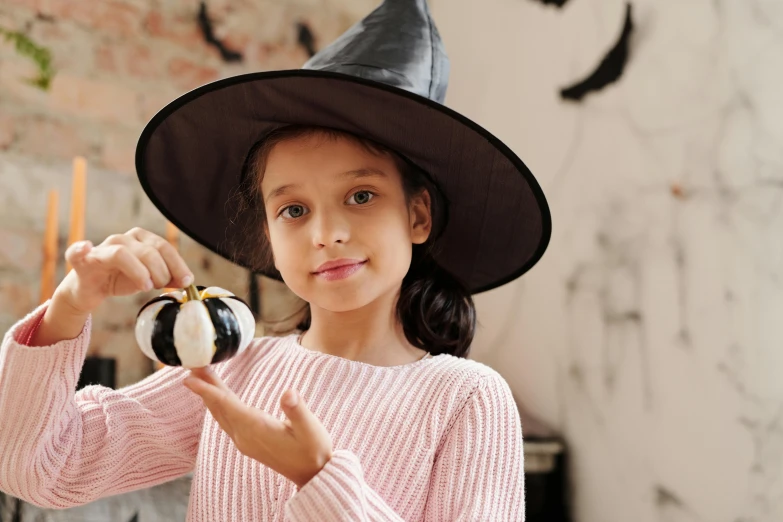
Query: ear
(421, 217)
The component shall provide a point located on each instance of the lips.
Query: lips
(339, 269)
(337, 263)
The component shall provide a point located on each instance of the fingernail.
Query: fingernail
(148, 285)
(187, 280)
(293, 399)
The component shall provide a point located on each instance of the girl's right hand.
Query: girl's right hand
(124, 264)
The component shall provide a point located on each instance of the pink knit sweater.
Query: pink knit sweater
(437, 439)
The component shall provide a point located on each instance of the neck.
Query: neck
(371, 334)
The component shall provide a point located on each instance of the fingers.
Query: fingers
(254, 432)
(229, 412)
(177, 270)
(159, 271)
(76, 253)
(144, 246)
(297, 411)
(290, 399)
(224, 404)
(215, 405)
(181, 276)
(121, 258)
(209, 376)
(212, 389)
(123, 264)
(209, 393)
(305, 425)
(163, 264)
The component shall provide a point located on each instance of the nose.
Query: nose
(329, 228)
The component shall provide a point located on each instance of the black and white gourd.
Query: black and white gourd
(195, 327)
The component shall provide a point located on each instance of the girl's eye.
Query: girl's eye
(362, 197)
(293, 211)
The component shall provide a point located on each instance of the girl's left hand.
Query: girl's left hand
(297, 448)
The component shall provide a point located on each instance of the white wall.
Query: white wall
(650, 333)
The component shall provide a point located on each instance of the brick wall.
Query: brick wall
(118, 62)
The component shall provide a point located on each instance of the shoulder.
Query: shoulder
(481, 400)
(472, 387)
(470, 374)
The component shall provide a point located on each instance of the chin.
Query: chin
(342, 297)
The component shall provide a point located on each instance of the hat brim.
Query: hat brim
(190, 156)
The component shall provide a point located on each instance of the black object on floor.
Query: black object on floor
(98, 370)
(546, 476)
(545, 480)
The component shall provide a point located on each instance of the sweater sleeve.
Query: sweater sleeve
(479, 472)
(339, 493)
(477, 475)
(60, 449)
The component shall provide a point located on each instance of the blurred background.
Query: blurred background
(644, 349)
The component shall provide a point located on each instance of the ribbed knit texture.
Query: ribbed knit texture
(437, 439)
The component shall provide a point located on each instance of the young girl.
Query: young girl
(383, 210)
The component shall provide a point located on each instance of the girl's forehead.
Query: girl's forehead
(316, 156)
(317, 147)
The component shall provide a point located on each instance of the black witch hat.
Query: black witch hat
(385, 79)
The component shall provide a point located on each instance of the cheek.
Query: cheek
(291, 259)
(283, 248)
(389, 239)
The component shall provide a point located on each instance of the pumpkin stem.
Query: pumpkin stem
(192, 293)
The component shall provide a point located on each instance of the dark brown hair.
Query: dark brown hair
(435, 309)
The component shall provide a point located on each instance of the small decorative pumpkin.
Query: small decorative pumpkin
(194, 328)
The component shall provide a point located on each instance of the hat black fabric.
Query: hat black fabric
(385, 79)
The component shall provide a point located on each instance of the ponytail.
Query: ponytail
(436, 311)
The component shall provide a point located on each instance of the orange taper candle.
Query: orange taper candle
(78, 195)
(51, 234)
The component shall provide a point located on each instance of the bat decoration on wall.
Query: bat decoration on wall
(609, 70)
(305, 38)
(205, 24)
(557, 3)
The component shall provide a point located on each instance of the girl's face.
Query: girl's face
(330, 202)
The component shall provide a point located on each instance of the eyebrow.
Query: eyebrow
(365, 172)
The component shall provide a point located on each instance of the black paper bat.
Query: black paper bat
(609, 70)
(305, 38)
(205, 24)
(558, 3)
